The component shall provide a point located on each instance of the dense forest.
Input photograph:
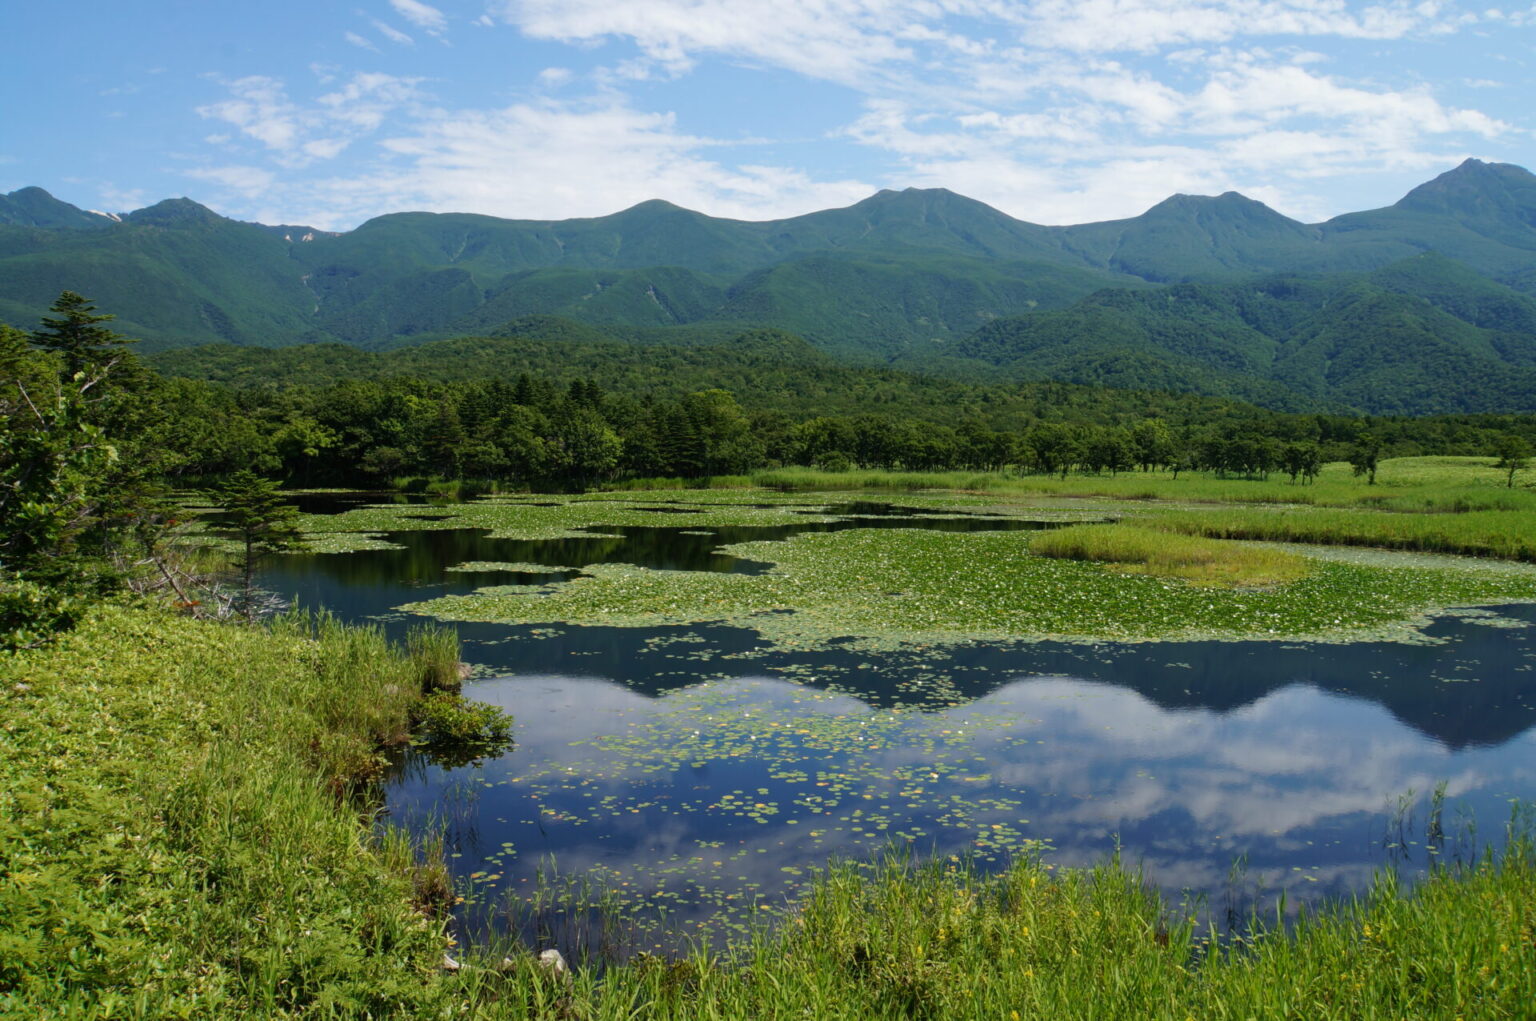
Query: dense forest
(540, 412)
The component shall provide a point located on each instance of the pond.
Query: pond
(672, 784)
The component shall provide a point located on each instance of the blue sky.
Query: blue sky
(1054, 111)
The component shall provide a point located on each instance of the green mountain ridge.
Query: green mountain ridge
(926, 279)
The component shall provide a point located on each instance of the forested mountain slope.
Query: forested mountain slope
(1418, 336)
(1425, 305)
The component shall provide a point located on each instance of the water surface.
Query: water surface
(700, 774)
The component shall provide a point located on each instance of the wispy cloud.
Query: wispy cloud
(297, 135)
(250, 182)
(360, 42)
(392, 33)
(421, 15)
(551, 159)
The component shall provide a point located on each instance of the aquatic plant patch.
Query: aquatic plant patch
(540, 519)
(901, 586)
(1204, 562)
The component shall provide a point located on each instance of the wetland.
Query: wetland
(716, 694)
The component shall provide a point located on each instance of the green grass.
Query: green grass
(1133, 550)
(1509, 535)
(1453, 505)
(1433, 484)
(175, 836)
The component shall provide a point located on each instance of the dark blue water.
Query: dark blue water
(698, 776)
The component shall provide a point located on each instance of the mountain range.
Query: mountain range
(1427, 305)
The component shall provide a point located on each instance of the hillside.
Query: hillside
(1419, 336)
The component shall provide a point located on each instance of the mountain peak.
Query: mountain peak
(1227, 200)
(653, 206)
(174, 213)
(1477, 189)
(35, 207)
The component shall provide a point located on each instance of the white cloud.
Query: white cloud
(1145, 25)
(851, 40)
(838, 40)
(1054, 110)
(555, 160)
(247, 181)
(297, 135)
(392, 33)
(123, 199)
(260, 109)
(360, 42)
(421, 15)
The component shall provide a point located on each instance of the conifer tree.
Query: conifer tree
(256, 515)
(77, 336)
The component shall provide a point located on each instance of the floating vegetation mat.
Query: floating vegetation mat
(489, 566)
(887, 587)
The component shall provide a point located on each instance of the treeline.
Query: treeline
(529, 431)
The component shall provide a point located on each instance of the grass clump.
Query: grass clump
(939, 940)
(455, 730)
(1509, 535)
(1208, 562)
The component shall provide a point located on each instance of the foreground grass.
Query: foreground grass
(171, 845)
(172, 840)
(1204, 562)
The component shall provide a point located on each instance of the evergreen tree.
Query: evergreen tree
(77, 336)
(256, 515)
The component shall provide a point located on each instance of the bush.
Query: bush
(454, 730)
(33, 614)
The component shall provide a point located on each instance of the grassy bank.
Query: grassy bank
(1424, 484)
(1509, 535)
(174, 834)
(1456, 505)
(938, 942)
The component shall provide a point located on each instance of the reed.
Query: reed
(1215, 563)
